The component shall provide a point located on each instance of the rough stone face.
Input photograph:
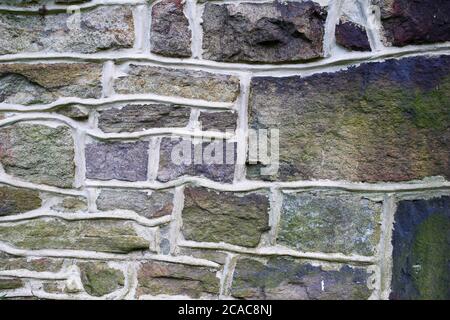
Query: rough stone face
(132, 118)
(10, 284)
(155, 278)
(38, 153)
(76, 112)
(421, 256)
(330, 222)
(182, 83)
(170, 33)
(289, 279)
(10, 262)
(15, 200)
(154, 205)
(386, 121)
(177, 159)
(212, 216)
(263, 32)
(101, 235)
(102, 28)
(98, 279)
(218, 121)
(45, 83)
(117, 160)
(415, 22)
(352, 36)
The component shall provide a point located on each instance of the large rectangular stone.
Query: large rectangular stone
(263, 32)
(282, 278)
(47, 82)
(142, 79)
(217, 216)
(93, 235)
(333, 222)
(383, 121)
(421, 255)
(90, 31)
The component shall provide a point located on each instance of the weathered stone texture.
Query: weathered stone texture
(182, 83)
(352, 36)
(15, 200)
(98, 279)
(10, 283)
(178, 159)
(415, 22)
(117, 160)
(47, 82)
(73, 111)
(164, 278)
(38, 153)
(154, 205)
(218, 121)
(386, 121)
(170, 33)
(102, 28)
(71, 204)
(288, 279)
(421, 256)
(330, 222)
(101, 235)
(263, 32)
(132, 118)
(214, 216)
(10, 262)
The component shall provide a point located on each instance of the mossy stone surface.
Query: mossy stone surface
(16, 200)
(157, 278)
(333, 222)
(383, 121)
(98, 279)
(213, 216)
(101, 235)
(38, 153)
(421, 256)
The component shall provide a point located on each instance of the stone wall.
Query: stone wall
(95, 96)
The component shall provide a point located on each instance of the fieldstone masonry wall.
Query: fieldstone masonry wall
(95, 97)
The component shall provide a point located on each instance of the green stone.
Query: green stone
(333, 222)
(156, 278)
(98, 279)
(15, 200)
(235, 218)
(38, 153)
(10, 284)
(94, 235)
